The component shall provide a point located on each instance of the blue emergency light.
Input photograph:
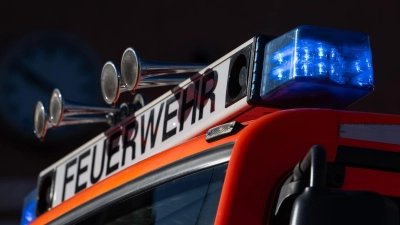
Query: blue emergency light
(29, 207)
(312, 67)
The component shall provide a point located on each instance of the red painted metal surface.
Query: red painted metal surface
(265, 152)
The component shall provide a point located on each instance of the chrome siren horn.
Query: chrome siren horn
(59, 109)
(133, 69)
(40, 121)
(111, 83)
(139, 73)
(42, 124)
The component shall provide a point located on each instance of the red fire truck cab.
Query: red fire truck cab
(258, 137)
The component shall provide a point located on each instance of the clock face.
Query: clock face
(36, 64)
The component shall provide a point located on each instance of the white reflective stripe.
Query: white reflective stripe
(87, 166)
(178, 115)
(383, 133)
(94, 141)
(101, 136)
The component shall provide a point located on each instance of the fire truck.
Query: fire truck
(260, 136)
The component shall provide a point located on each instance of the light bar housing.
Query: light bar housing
(311, 67)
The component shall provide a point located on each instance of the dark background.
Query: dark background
(177, 31)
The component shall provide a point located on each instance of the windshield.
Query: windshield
(192, 199)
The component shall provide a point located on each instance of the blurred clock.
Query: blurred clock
(33, 66)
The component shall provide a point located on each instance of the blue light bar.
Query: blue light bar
(28, 210)
(313, 67)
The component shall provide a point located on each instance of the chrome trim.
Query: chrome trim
(188, 165)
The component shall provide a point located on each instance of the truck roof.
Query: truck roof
(265, 151)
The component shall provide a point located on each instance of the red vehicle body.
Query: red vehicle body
(262, 169)
(264, 154)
